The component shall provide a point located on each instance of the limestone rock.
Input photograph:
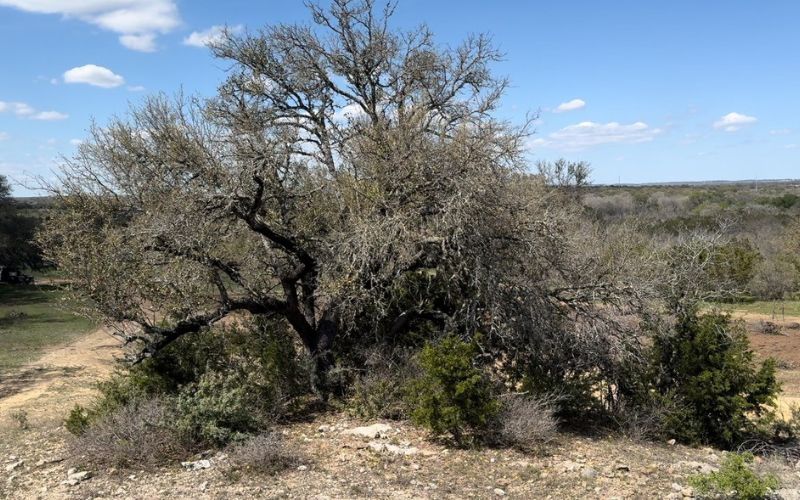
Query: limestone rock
(197, 465)
(374, 431)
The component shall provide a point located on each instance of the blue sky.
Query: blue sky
(645, 91)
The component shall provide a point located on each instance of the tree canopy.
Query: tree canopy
(354, 181)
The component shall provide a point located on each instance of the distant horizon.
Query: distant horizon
(714, 182)
(646, 93)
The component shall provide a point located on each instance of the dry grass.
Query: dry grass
(266, 453)
(134, 436)
(528, 422)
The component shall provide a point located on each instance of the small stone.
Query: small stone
(671, 442)
(588, 473)
(14, 465)
(687, 492)
(302, 468)
(203, 486)
(677, 487)
(415, 466)
(623, 468)
(324, 428)
(80, 476)
(499, 492)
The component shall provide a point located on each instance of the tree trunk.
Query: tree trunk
(322, 356)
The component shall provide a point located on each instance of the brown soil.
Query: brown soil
(61, 378)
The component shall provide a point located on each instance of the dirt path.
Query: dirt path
(61, 378)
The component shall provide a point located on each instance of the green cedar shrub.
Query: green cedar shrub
(735, 479)
(451, 395)
(708, 366)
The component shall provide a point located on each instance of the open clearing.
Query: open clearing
(338, 465)
(30, 322)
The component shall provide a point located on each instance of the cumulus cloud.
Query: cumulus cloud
(570, 106)
(138, 22)
(18, 108)
(209, 36)
(76, 142)
(49, 116)
(142, 43)
(734, 121)
(586, 134)
(92, 74)
(24, 110)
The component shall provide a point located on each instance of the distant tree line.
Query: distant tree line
(17, 230)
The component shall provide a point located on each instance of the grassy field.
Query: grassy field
(779, 308)
(31, 320)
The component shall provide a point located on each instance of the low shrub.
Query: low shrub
(265, 453)
(78, 420)
(527, 422)
(379, 392)
(138, 434)
(217, 386)
(649, 418)
(451, 395)
(224, 407)
(735, 479)
(577, 405)
(21, 418)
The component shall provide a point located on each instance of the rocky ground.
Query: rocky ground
(338, 457)
(341, 458)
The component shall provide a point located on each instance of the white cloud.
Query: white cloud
(94, 75)
(18, 108)
(570, 105)
(136, 88)
(209, 36)
(780, 131)
(137, 22)
(587, 134)
(49, 116)
(791, 146)
(350, 112)
(142, 43)
(734, 121)
(3, 136)
(76, 142)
